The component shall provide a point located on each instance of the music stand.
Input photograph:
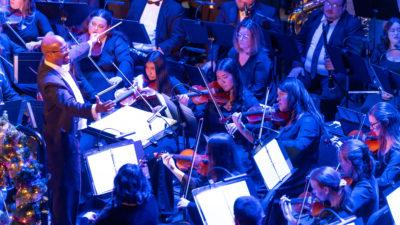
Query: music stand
(203, 32)
(187, 73)
(103, 164)
(381, 9)
(15, 111)
(25, 67)
(273, 163)
(131, 123)
(352, 120)
(215, 202)
(66, 13)
(134, 30)
(392, 196)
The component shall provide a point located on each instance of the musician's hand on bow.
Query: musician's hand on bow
(329, 64)
(158, 49)
(104, 106)
(231, 128)
(33, 45)
(183, 203)
(115, 80)
(296, 71)
(386, 96)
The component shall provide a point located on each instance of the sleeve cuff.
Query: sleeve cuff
(96, 116)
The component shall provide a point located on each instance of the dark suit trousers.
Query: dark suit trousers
(65, 168)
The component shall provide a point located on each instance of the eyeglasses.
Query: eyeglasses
(62, 50)
(331, 5)
(374, 125)
(394, 30)
(242, 36)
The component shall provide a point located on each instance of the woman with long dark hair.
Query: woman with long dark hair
(238, 98)
(27, 22)
(223, 162)
(357, 168)
(156, 76)
(384, 121)
(387, 55)
(133, 202)
(299, 137)
(112, 47)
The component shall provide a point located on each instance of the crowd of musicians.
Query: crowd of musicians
(247, 87)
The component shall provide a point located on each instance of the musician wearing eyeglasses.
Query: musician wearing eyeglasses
(332, 26)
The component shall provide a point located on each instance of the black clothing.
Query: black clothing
(387, 168)
(169, 31)
(144, 214)
(115, 50)
(255, 74)
(301, 141)
(365, 198)
(33, 26)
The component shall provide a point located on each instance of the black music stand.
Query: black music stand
(185, 73)
(25, 66)
(133, 30)
(382, 76)
(203, 32)
(66, 13)
(352, 120)
(381, 9)
(285, 49)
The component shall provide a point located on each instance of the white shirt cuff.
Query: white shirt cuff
(96, 116)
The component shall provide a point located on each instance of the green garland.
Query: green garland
(20, 178)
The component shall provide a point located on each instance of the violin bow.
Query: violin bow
(93, 62)
(16, 34)
(134, 88)
(198, 135)
(221, 116)
(264, 112)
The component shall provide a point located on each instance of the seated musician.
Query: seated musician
(357, 168)
(384, 121)
(252, 58)
(7, 49)
(387, 55)
(248, 211)
(27, 22)
(327, 188)
(162, 20)
(222, 162)
(315, 69)
(111, 48)
(299, 137)
(232, 97)
(133, 203)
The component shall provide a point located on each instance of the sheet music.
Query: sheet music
(393, 200)
(104, 166)
(102, 170)
(128, 119)
(272, 164)
(217, 203)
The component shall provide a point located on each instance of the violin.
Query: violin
(370, 139)
(254, 115)
(185, 158)
(296, 208)
(221, 97)
(136, 94)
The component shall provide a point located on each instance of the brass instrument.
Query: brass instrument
(300, 14)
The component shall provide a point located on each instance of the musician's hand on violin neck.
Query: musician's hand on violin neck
(183, 99)
(168, 161)
(94, 38)
(231, 128)
(329, 64)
